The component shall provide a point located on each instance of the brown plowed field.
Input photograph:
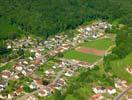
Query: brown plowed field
(91, 51)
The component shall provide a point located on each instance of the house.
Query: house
(43, 93)
(9, 47)
(10, 97)
(121, 84)
(24, 72)
(69, 73)
(30, 58)
(25, 62)
(111, 90)
(19, 91)
(5, 74)
(97, 97)
(49, 72)
(99, 89)
(3, 84)
(129, 97)
(32, 98)
(2, 97)
(129, 69)
(16, 77)
(38, 82)
(37, 61)
(61, 82)
(32, 86)
(83, 64)
(18, 67)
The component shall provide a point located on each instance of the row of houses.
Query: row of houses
(55, 45)
(101, 89)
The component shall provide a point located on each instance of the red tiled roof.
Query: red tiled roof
(19, 90)
(6, 73)
(96, 97)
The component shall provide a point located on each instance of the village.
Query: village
(38, 53)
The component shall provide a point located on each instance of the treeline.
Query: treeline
(48, 17)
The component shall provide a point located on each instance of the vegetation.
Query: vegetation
(50, 17)
(72, 54)
(121, 66)
(80, 87)
(100, 44)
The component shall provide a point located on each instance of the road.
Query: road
(24, 97)
(123, 93)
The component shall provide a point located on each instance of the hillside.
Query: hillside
(49, 17)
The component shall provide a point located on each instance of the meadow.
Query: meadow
(100, 44)
(119, 68)
(72, 54)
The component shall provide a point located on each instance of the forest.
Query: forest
(48, 17)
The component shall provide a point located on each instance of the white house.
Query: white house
(111, 90)
(99, 89)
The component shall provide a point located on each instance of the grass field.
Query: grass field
(72, 54)
(119, 68)
(100, 44)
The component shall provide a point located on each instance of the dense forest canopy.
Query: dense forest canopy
(48, 17)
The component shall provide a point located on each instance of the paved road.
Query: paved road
(24, 97)
(123, 93)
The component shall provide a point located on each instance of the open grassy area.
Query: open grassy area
(72, 54)
(40, 71)
(100, 44)
(119, 68)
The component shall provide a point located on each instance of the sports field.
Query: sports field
(100, 44)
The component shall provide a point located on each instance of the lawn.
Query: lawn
(100, 44)
(119, 68)
(7, 66)
(41, 69)
(72, 54)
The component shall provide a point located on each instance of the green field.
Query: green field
(100, 44)
(119, 68)
(72, 54)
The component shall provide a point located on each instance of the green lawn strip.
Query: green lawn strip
(100, 44)
(40, 71)
(72, 54)
(7, 66)
(119, 68)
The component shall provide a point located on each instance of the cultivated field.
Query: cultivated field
(73, 54)
(91, 51)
